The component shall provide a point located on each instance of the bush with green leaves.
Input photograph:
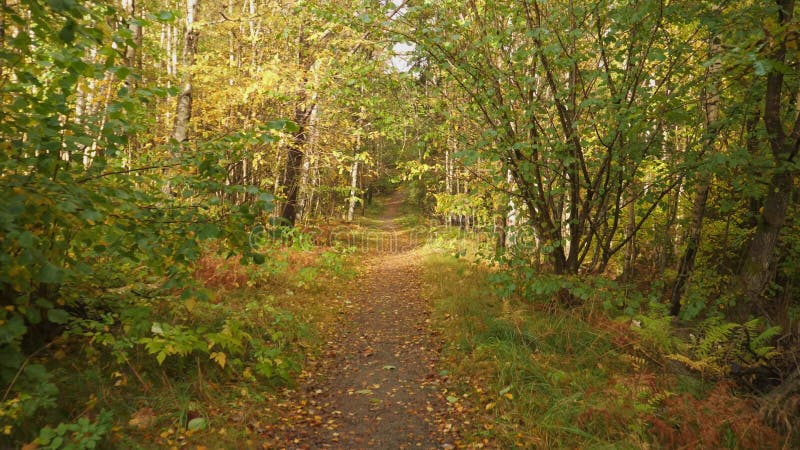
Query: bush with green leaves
(80, 435)
(89, 232)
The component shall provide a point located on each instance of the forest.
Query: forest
(392, 224)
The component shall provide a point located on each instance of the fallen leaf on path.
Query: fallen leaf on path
(196, 424)
(142, 418)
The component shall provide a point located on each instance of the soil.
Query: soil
(376, 385)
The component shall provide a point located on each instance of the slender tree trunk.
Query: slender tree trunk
(686, 266)
(630, 234)
(231, 49)
(510, 221)
(294, 163)
(307, 190)
(448, 179)
(173, 55)
(183, 110)
(132, 60)
(2, 31)
(294, 158)
(353, 189)
(280, 170)
(129, 6)
(667, 242)
(360, 121)
(711, 108)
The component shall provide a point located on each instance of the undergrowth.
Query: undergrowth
(541, 376)
(200, 371)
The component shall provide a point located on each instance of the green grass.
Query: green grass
(542, 379)
(375, 209)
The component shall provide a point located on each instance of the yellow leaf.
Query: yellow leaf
(489, 406)
(220, 358)
(509, 395)
(190, 304)
(248, 374)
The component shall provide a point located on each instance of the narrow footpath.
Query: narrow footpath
(376, 385)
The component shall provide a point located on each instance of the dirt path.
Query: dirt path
(376, 386)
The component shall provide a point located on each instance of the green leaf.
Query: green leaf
(58, 316)
(50, 274)
(12, 329)
(67, 34)
(165, 16)
(452, 399)
(197, 424)
(25, 239)
(283, 125)
(122, 72)
(208, 231)
(91, 216)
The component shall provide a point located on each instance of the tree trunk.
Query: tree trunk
(131, 60)
(510, 221)
(294, 165)
(183, 110)
(294, 159)
(630, 234)
(687, 261)
(2, 31)
(306, 191)
(758, 266)
(353, 187)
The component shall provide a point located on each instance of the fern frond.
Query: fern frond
(765, 337)
(706, 366)
(716, 335)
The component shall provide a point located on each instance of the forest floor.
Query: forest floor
(376, 382)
